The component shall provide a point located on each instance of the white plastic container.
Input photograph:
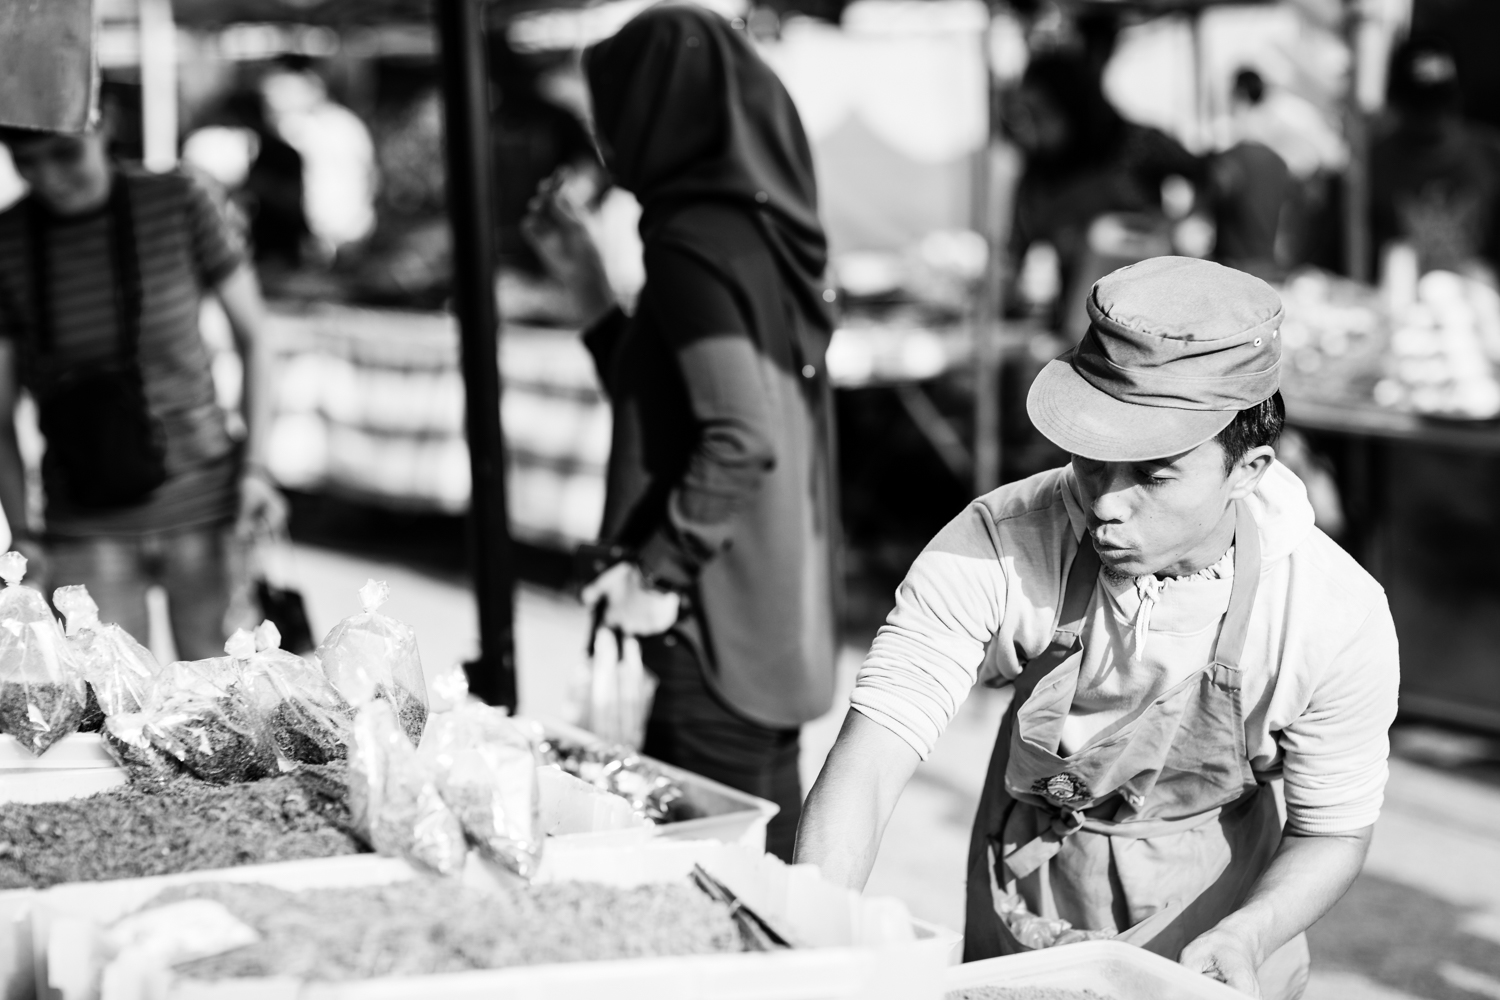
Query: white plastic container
(43, 784)
(856, 947)
(731, 816)
(73, 752)
(1118, 971)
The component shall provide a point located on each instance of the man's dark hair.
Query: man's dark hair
(1260, 425)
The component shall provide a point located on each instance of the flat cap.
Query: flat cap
(1175, 348)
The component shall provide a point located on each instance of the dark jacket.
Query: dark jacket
(720, 474)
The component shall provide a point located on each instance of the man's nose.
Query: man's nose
(1110, 504)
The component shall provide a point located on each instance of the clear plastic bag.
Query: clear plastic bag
(202, 714)
(42, 691)
(485, 766)
(307, 719)
(369, 656)
(119, 670)
(393, 797)
(127, 738)
(613, 699)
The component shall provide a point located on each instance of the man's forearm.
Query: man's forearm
(13, 483)
(240, 295)
(1305, 878)
(852, 800)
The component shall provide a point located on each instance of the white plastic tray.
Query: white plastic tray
(858, 947)
(732, 816)
(1115, 970)
(76, 750)
(57, 784)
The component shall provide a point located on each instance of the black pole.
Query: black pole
(471, 210)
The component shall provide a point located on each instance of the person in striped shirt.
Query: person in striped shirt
(103, 268)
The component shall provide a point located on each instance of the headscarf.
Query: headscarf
(685, 111)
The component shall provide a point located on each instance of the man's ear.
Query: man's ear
(1247, 473)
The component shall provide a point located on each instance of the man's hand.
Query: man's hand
(630, 605)
(1305, 878)
(1225, 956)
(263, 510)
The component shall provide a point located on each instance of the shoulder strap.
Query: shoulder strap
(41, 284)
(1078, 591)
(124, 259)
(1082, 576)
(1231, 643)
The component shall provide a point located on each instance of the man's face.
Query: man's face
(68, 173)
(1157, 516)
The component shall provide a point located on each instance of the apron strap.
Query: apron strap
(1230, 646)
(1078, 594)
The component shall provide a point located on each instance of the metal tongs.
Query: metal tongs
(757, 934)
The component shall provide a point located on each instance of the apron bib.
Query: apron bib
(1153, 831)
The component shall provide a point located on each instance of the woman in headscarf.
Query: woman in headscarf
(720, 491)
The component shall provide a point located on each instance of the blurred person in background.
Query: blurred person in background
(338, 154)
(1434, 175)
(1249, 186)
(1084, 161)
(102, 269)
(720, 488)
(262, 173)
(532, 137)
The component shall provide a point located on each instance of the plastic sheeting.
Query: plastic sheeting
(895, 105)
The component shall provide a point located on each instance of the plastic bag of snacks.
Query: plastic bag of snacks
(393, 797)
(119, 670)
(370, 656)
(127, 738)
(485, 768)
(42, 691)
(652, 793)
(201, 713)
(307, 719)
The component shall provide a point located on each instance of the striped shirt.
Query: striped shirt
(184, 246)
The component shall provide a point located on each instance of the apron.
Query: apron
(1154, 830)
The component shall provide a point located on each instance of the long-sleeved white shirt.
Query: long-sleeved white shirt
(1320, 667)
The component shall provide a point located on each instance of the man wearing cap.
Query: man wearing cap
(1178, 635)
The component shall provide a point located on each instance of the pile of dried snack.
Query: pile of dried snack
(185, 825)
(1023, 993)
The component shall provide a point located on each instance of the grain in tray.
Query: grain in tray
(184, 825)
(428, 926)
(1023, 993)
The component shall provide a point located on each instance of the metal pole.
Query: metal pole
(1356, 188)
(986, 314)
(158, 36)
(492, 676)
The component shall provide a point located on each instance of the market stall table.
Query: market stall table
(1422, 499)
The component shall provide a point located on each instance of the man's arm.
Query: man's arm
(1306, 877)
(852, 801)
(239, 294)
(920, 668)
(1335, 769)
(12, 468)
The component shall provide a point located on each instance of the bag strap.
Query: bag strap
(124, 260)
